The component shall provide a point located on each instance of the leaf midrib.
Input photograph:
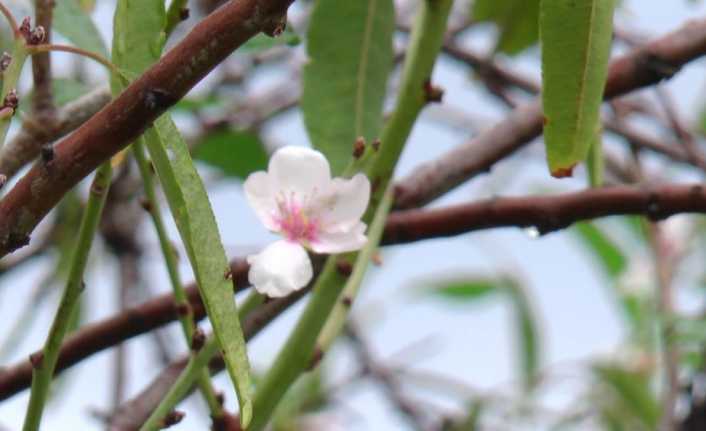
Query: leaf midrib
(362, 67)
(584, 75)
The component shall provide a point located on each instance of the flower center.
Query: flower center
(294, 222)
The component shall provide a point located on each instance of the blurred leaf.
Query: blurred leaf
(87, 5)
(65, 90)
(263, 42)
(526, 334)
(307, 395)
(467, 290)
(73, 22)
(629, 395)
(472, 421)
(235, 153)
(576, 41)
(350, 57)
(517, 21)
(606, 251)
(138, 42)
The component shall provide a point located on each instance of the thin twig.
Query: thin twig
(10, 19)
(43, 100)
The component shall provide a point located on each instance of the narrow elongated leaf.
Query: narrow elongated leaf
(72, 21)
(629, 394)
(197, 226)
(138, 40)
(517, 21)
(608, 253)
(466, 290)
(576, 39)
(526, 333)
(350, 57)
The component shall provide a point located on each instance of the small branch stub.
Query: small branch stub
(172, 418)
(36, 360)
(432, 93)
(359, 147)
(25, 28)
(37, 36)
(376, 144)
(5, 61)
(184, 13)
(47, 153)
(11, 100)
(198, 339)
(344, 267)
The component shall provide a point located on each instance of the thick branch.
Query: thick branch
(658, 60)
(546, 213)
(124, 119)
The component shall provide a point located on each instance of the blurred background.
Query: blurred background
(504, 327)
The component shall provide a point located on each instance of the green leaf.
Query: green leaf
(526, 333)
(517, 21)
(606, 251)
(235, 153)
(350, 57)
(576, 41)
(72, 21)
(628, 392)
(138, 41)
(465, 290)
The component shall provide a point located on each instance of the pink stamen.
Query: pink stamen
(294, 222)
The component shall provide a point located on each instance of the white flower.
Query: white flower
(298, 199)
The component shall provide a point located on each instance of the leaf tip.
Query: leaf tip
(566, 172)
(245, 414)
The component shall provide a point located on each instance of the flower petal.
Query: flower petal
(299, 170)
(345, 203)
(280, 269)
(262, 198)
(332, 242)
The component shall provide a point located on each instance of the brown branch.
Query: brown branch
(546, 213)
(42, 99)
(109, 332)
(658, 60)
(33, 135)
(126, 117)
